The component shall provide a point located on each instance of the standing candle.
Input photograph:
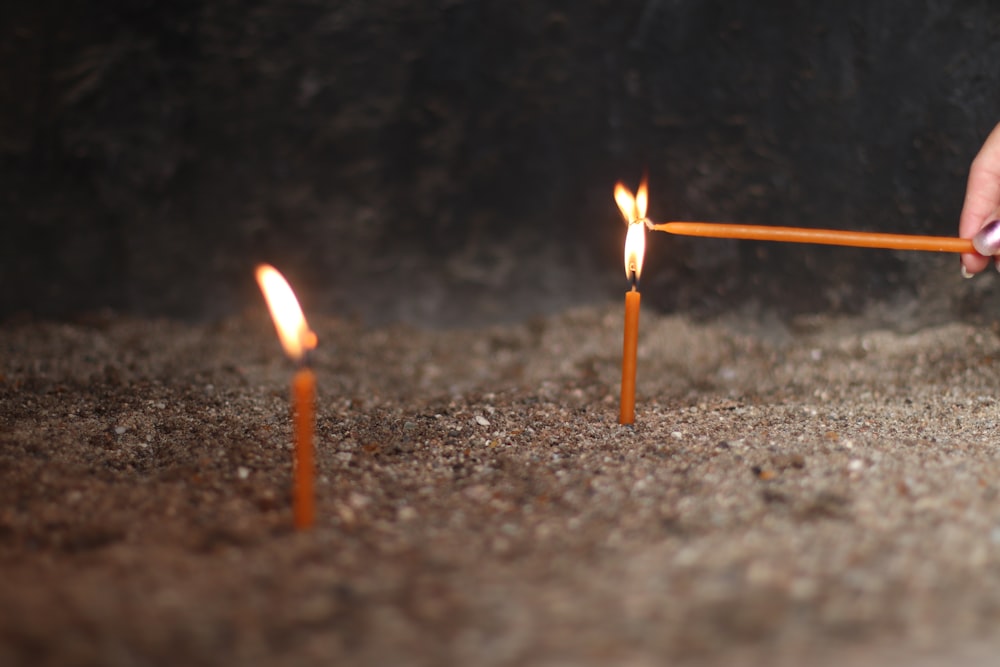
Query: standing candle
(626, 411)
(304, 401)
(298, 340)
(634, 211)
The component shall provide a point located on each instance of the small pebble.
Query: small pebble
(766, 473)
(242, 472)
(482, 421)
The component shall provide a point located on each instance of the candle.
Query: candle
(297, 339)
(634, 211)
(304, 402)
(819, 236)
(626, 409)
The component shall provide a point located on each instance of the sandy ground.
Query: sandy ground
(819, 491)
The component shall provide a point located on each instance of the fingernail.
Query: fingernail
(987, 240)
(966, 274)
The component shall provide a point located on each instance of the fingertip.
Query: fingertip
(973, 264)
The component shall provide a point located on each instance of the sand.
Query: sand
(821, 490)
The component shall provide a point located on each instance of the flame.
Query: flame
(633, 209)
(641, 199)
(635, 249)
(296, 336)
(625, 201)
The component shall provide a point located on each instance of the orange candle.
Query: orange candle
(626, 411)
(819, 236)
(298, 340)
(304, 402)
(634, 211)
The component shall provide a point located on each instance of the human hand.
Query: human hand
(982, 199)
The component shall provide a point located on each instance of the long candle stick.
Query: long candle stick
(633, 209)
(304, 402)
(626, 412)
(819, 236)
(298, 340)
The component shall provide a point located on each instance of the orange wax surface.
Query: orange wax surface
(820, 236)
(303, 405)
(626, 413)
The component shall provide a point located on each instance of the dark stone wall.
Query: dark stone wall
(452, 161)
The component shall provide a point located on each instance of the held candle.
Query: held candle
(634, 211)
(298, 340)
(820, 236)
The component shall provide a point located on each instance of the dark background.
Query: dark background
(452, 162)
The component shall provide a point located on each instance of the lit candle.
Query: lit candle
(297, 339)
(820, 236)
(634, 211)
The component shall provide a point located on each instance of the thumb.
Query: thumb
(982, 194)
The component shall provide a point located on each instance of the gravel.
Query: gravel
(821, 490)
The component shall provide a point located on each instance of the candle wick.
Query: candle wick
(634, 278)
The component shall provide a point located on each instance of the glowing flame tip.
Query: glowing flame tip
(625, 201)
(293, 330)
(642, 199)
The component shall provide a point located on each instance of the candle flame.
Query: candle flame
(635, 249)
(633, 209)
(293, 331)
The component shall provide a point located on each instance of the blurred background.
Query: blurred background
(450, 162)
